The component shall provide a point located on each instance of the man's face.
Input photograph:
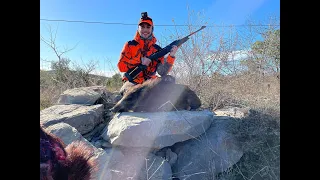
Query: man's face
(145, 30)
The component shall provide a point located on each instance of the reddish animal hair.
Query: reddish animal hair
(61, 162)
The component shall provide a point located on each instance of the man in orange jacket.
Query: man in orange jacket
(135, 53)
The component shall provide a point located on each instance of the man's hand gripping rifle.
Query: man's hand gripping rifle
(134, 72)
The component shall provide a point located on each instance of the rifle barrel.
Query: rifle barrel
(202, 27)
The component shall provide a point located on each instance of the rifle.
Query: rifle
(133, 73)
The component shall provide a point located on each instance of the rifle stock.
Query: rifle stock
(133, 73)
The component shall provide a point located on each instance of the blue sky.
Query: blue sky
(103, 42)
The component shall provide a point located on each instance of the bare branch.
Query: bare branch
(51, 43)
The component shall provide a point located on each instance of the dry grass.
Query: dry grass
(240, 91)
(259, 135)
(49, 95)
(50, 88)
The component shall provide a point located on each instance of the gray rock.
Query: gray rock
(142, 166)
(82, 95)
(156, 130)
(209, 154)
(83, 118)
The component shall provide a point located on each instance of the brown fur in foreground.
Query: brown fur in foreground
(156, 95)
(57, 161)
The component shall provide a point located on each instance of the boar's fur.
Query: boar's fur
(156, 95)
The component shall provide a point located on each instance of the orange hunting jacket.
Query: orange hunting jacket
(132, 53)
